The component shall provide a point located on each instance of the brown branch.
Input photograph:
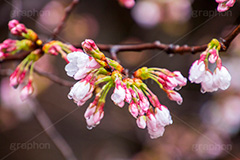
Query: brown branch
(54, 78)
(50, 76)
(155, 45)
(51, 131)
(68, 10)
(168, 48)
(228, 40)
(18, 56)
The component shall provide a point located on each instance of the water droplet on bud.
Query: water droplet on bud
(179, 102)
(89, 127)
(178, 88)
(69, 96)
(203, 91)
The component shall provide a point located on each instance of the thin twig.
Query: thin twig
(169, 48)
(68, 10)
(52, 132)
(50, 76)
(228, 40)
(54, 78)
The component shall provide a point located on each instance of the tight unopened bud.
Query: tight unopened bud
(26, 91)
(91, 48)
(13, 23)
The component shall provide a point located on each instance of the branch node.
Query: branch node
(222, 43)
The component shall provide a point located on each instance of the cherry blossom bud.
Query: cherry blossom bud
(181, 81)
(118, 95)
(224, 5)
(97, 117)
(175, 96)
(171, 82)
(128, 96)
(196, 71)
(90, 110)
(213, 56)
(19, 29)
(13, 23)
(81, 91)
(221, 78)
(141, 122)
(151, 122)
(207, 83)
(91, 48)
(154, 129)
(133, 109)
(94, 114)
(143, 102)
(231, 3)
(127, 3)
(156, 133)
(163, 116)
(17, 77)
(26, 91)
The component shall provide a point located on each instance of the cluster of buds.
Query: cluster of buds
(32, 44)
(127, 3)
(89, 68)
(224, 5)
(168, 81)
(97, 72)
(19, 29)
(143, 105)
(57, 47)
(200, 73)
(29, 43)
(11, 47)
(27, 65)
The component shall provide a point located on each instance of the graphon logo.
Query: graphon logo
(29, 146)
(212, 147)
(210, 13)
(28, 13)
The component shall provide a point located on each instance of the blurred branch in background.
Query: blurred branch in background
(68, 11)
(51, 131)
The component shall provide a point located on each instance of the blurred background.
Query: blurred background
(206, 126)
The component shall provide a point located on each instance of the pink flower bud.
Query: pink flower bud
(2, 55)
(89, 45)
(221, 78)
(14, 78)
(181, 81)
(118, 95)
(13, 23)
(26, 91)
(90, 110)
(213, 55)
(163, 116)
(19, 29)
(133, 109)
(141, 122)
(197, 71)
(151, 122)
(98, 116)
(22, 76)
(175, 96)
(230, 3)
(127, 3)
